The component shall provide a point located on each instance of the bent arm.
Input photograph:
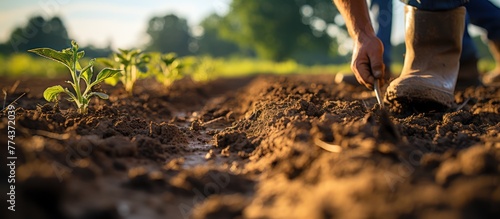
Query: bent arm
(367, 62)
(357, 18)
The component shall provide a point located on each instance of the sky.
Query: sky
(123, 22)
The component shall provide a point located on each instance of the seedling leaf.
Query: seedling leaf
(88, 71)
(106, 73)
(106, 62)
(168, 59)
(143, 68)
(80, 54)
(113, 81)
(74, 45)
(100, 95)
(121, 59)
(123, 51)
(63, 57)
(50, 94)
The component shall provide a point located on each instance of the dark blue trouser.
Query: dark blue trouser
(486, 15)
(481, 13)
(384, 21)
(435, 5)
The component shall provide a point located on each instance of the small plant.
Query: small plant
(69, 57)
(205, 69)
(132, 62)
(168, 69)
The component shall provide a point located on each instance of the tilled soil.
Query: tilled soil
(252, 148)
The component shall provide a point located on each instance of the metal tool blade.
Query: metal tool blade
(387, 127)
(378, 93)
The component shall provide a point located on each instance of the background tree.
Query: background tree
(281, 29)
(211, 42)
(37, 33)
(169, 34)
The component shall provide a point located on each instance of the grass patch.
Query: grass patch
(25, 65)
(205, 68)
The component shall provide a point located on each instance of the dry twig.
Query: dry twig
(326, 146)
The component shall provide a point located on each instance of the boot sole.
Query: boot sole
(418, 96)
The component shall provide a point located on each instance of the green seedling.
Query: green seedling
(69, 57)
(169, 69)
(205, 69)
(132, 62)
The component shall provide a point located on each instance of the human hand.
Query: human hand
(367, 62)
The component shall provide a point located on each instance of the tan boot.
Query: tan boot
(433, 47)
(493, 77)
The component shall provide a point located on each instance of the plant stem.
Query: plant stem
(76, 82)
(133, 77)
(128, 82)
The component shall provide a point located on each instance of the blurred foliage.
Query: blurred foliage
(485, 65)
(273, 29)
(208, 68)
(277, 29)
(482, 48)
(38, 32)
(258, 36)
(22, 64)
(203, 68)
(211, 43)
(166, 68)
(169, 34)
(199, 68)
(92, 51)
(133, 64)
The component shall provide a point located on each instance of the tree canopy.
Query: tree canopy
(280, 29)
(211, 42)
(303, 30)
(38, 32)
(169, 34)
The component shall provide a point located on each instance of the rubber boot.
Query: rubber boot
(493, 77)
(430, 69)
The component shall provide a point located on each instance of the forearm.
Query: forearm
(355, 14)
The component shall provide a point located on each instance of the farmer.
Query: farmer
(482, 13)
(434, 30)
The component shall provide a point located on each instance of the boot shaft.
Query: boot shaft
(433, 47)
(434, 44)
